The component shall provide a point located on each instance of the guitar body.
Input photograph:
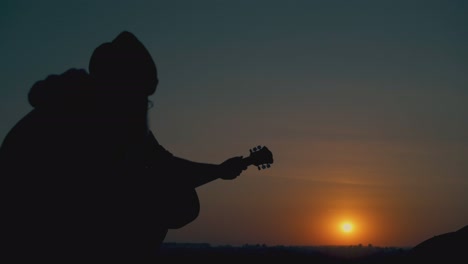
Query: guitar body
(181, 206)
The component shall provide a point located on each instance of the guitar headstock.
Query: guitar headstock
(261, 157)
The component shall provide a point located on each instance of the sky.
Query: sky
(362, 103)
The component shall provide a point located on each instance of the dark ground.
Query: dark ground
(291, 254)
(450, 247)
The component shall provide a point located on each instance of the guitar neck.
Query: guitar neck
(248, 161)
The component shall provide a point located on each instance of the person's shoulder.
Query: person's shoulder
(58, 90)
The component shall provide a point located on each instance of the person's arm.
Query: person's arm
(188, 172)
(198, 174)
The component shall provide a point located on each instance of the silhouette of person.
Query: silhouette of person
(83, 176)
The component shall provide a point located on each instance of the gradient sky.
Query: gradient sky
(364, 105)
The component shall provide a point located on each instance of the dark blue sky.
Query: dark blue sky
(364, 104)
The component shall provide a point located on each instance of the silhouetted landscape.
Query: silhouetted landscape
(448, 247)
(317, 254)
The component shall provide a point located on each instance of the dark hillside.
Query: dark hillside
(448, 247)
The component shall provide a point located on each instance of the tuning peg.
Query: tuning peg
(259, 168)
(268, 165)
(250, 150)
(259, 147)
(263, 166)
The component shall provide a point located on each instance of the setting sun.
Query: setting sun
(347, 227)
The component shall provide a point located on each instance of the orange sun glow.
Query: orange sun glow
(346, 227)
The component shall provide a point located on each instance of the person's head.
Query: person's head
(124, 68)
(126, 75)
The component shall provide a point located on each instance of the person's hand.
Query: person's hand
(232, 167)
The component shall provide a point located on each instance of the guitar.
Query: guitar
(182, 205)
